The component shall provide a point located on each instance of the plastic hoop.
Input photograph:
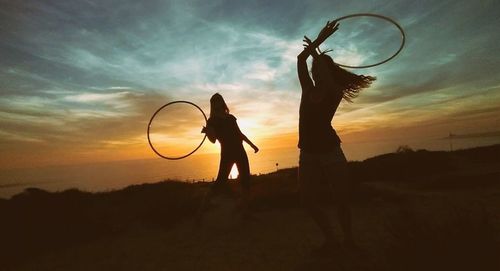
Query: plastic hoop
(403, 38)
(151, 120)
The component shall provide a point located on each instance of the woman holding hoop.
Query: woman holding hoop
(322, 164)
(222, 126)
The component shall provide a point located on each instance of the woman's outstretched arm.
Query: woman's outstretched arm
(245, 138)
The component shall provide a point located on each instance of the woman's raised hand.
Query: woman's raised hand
(310, 46)
(255, 148)
(327, 31)
(307, 42)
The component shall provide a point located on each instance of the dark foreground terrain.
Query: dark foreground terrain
(412, 210)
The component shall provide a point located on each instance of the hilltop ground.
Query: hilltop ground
(412, 210)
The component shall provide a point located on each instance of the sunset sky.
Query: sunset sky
(79, 80)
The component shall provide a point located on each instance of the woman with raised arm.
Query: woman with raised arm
(222, 126)
(322, 164)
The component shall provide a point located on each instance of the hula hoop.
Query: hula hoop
(151, 120)
(403, 38)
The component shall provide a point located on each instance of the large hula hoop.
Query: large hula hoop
(151, 120)
(403, 38)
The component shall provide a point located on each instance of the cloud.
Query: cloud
(99, 116)
(85, 76)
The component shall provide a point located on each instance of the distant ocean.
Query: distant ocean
(115, 175)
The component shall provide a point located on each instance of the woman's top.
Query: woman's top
(227, 132)
(316, 134)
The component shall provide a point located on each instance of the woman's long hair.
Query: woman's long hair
(218, 106)
(350, 84)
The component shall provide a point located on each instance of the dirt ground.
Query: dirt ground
(275, 239)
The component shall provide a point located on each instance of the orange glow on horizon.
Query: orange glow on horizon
(135, 148)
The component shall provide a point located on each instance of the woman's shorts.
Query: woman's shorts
(322, 159)
(322, 173)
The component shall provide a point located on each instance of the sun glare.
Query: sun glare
(234, 173)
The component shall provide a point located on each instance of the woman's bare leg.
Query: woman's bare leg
(311, 186)
(339, 179)
(225, 166)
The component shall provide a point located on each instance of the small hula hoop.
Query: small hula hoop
(151, 120)
(403, 38)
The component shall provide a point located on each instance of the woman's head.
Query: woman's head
(327, 74)
(218, 105)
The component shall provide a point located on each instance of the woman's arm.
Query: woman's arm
(310, 49)
(209, 131)
(302, 70)
(245, 138)
(305, 80)
(311, 46)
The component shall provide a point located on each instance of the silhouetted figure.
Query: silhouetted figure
(222, 126)
(322, 164)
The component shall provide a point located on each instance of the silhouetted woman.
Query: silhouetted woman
(222, 126)
(322, 164)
